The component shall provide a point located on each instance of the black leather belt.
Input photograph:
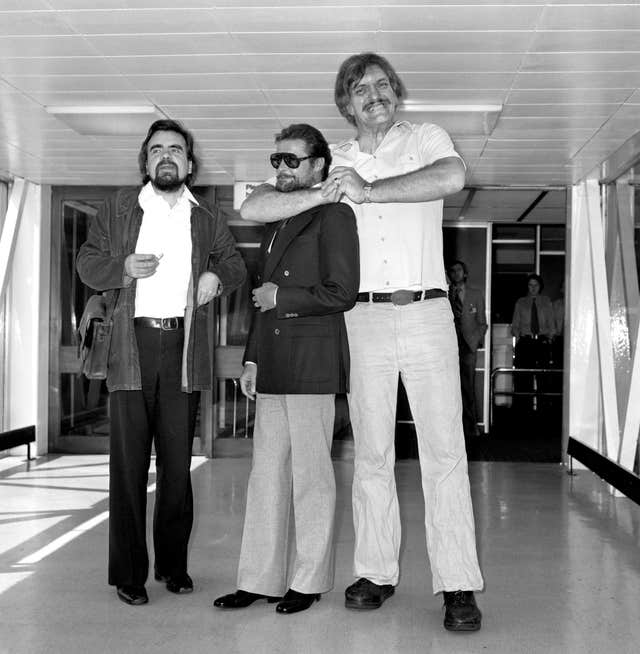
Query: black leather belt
(402, 297)
(168, 324)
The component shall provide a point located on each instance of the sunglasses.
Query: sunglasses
(290, 160)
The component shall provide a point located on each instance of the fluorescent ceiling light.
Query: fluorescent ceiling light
(147, 109)
(408, 105)
(115, 120)
(457, 119)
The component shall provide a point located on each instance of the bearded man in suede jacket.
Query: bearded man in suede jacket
(162, 258)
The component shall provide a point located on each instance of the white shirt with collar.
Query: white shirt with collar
(400, 242)
(165, 232)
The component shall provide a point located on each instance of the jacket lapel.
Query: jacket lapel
(282, 241)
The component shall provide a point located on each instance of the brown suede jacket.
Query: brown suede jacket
(100, 265)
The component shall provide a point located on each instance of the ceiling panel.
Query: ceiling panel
(13, 23)
(208, 97)
(436, 42)
(45, 46)
(483, 62)
(566, 73)
(600, 16)
(583, 61)
(294, 43)
(302, 17)
(24, 5)
(573, 79)
(566, 111)
(572, 96)
(169, 20)
(88, 98)
(461, 80)
(451, 18)
(622, 40)
(548, 124)
(16, 66)
(131, 45)
(69, 83)
(240, 111)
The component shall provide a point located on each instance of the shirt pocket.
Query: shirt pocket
(408, 162)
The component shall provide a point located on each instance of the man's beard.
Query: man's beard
(286, 184)
(167, 180)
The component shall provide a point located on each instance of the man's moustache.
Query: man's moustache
(379, 101)
(166, 164)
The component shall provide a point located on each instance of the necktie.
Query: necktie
(535, 325)
(456, 302)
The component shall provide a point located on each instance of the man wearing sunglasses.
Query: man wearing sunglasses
(395, 174)
(296, 360)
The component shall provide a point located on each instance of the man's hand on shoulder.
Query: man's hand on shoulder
(345, 181)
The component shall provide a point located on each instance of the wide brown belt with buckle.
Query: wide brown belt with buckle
(168, 324)
(402, 297)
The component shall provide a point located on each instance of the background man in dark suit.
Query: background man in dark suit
(296, 359)
(471, 324)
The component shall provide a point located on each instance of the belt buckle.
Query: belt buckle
(402, 297)
(169, 324)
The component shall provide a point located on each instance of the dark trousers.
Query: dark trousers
(468, 359)
(159, 412)
(530, 353)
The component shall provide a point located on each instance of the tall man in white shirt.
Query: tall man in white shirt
(162, 257)
(395, 174)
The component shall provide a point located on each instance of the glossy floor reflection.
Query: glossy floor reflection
(560, 556)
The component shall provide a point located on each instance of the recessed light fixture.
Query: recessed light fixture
(115, 120)
(426, 108)
(457, 119)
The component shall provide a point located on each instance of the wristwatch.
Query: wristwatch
(367, 192)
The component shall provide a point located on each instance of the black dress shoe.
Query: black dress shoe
(133, 595)
(364, 594)
(179, 584)
(293, 601)
(241, 599)
(461, 611)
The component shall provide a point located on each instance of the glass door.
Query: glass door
(79, 420)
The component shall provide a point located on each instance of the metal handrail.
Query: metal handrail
(511, 370)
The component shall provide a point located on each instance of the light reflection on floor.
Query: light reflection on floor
(560, 556)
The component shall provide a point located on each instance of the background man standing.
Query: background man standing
(395, 174)
(467, 304)
(533, 324)
(297, 359)
(162, 258)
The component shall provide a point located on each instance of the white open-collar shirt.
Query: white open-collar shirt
(400, 242)
(165, 232)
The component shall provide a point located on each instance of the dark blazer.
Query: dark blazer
(301, 346)
(473, 321)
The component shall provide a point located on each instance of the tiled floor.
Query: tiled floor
(560, 554)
